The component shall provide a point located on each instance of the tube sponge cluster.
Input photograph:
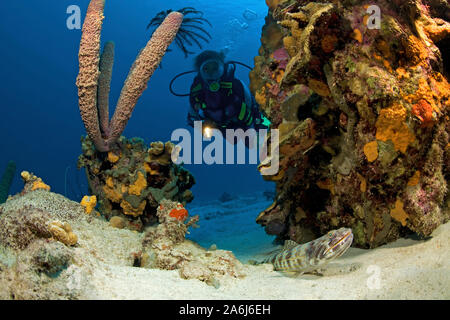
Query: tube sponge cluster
(94, 77)
(87, 80)
(143, 68)
(7, 178)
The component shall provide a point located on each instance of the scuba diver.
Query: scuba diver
(217, 98)
(220, 100)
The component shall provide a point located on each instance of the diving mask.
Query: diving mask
(211, 70)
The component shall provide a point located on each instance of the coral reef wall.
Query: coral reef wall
(360, 96)
(6, 181)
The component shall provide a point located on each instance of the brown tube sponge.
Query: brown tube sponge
(87, 79)
(104, 82)
(143, 68)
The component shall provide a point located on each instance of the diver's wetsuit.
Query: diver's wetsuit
(228, 104)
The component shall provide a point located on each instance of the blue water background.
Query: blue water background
(40, 123)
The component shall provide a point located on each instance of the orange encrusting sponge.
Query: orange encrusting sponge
(179, 213)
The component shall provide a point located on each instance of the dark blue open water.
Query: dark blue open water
(40, 123)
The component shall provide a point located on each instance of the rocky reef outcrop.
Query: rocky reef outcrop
(55, 248)
(359, 93)
(37, 244)
(165, 247)
(131, 180)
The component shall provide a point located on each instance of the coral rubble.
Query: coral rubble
(166, 248)
(36, 246)
(51, 249)
(363, 116)
(131, 180)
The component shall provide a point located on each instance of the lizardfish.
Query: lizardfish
(294, 258)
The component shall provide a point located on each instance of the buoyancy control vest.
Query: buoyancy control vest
(227, 102)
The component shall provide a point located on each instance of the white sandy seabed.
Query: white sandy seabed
(405, 269)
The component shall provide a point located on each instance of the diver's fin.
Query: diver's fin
(289, 244)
